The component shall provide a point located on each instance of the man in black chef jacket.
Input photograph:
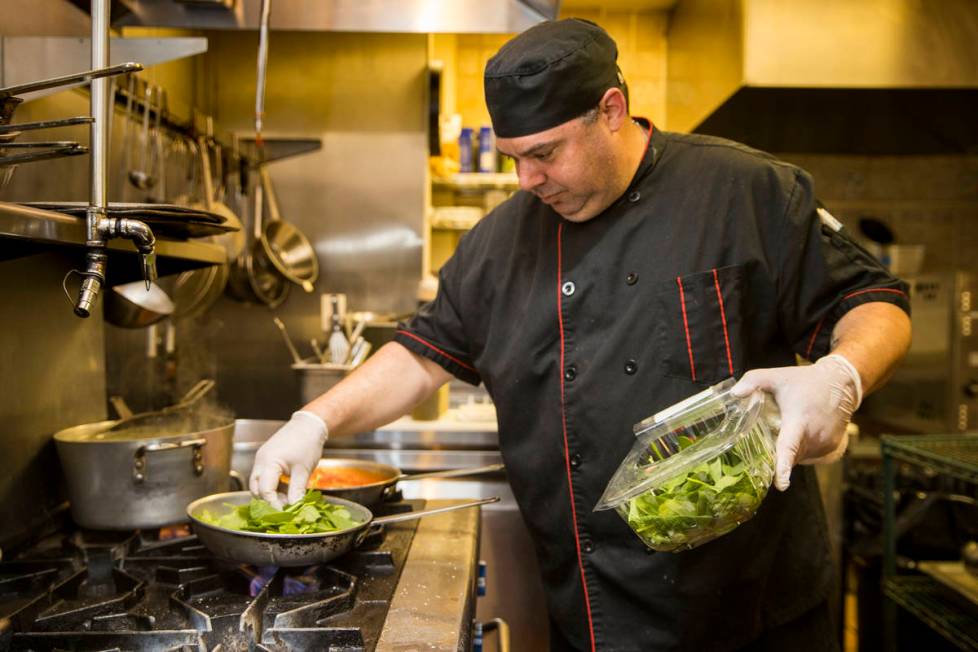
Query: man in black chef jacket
(634, 268)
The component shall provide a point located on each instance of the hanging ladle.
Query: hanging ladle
(288, 249)
(141, 178)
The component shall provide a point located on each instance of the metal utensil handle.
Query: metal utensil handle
(43, 155)
(121, 407)
(409, 516)
(126, 128)
(47, 124)
(205, 171)
(266, 181)
(502, 630)
(76, 78)
(41, 144)
(144, 137)
(288, 340)
(197, 392)
(453, 473)
(266, 9)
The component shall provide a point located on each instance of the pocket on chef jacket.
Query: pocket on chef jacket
(700, 324)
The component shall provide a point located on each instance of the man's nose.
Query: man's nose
(530, 176)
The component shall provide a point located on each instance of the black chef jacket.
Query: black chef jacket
(714, 261)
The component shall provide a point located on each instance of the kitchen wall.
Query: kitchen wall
(641, 39)
(929, 200)
(52, 376)
(360, 200)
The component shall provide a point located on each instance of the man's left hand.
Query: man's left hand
(816, 403)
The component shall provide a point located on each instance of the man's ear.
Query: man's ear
(614, 108)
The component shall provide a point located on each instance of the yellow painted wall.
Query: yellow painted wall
(641, 38)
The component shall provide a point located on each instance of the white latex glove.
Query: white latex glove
(293, 451)
(816, 403)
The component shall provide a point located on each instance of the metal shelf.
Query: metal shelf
(942, 609)
(478, 181)
(951, 455)
(276, 148)
(25, 231)
(937, 606)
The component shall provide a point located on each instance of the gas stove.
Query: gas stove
(134, 591)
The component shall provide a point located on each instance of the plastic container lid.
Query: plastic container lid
(682, 436)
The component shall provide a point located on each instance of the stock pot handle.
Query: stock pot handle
(139, 459)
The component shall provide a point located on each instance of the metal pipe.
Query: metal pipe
(99, 227)
(99, 103)
(95, 259)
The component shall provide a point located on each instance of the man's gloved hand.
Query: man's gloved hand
(293, 451)
(816, 403)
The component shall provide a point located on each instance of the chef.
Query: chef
(636, 267)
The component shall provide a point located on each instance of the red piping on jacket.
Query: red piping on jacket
(563, 421)
(435, 348)
(689, 342)
(858, 292)
(723, 318)
(811, 342)
(818, 327)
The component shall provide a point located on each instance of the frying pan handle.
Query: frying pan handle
(454, 473)
(366, 532)
(410, 516)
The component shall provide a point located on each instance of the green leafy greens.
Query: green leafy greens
(706, 501)
(309, 515)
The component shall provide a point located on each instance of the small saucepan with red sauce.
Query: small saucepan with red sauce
(370, 483)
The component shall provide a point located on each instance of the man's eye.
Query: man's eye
(543, 156)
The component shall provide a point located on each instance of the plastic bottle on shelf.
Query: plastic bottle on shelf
(487, 150)
(465, 150)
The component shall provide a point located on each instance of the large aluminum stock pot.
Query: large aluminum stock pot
(143, 477)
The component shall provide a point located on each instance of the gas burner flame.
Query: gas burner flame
(306, 582)
(179, 531)
(259, 577)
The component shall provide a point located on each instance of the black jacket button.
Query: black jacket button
(631, 367)
(587, 547)
(575, 460)
(632, 278)
(568, 288)
(634, 196)
(570, 373)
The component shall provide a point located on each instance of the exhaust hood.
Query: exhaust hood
(827, 76)
(413, 16)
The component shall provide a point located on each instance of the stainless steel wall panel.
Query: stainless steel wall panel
(52, 376)
(360, 199)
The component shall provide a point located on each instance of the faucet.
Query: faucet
(102, 228)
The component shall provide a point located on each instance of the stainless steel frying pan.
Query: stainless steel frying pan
(294, 549)
(377, 492)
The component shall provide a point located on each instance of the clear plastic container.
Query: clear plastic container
(697, 470)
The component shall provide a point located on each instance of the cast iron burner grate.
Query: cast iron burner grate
(130, 591)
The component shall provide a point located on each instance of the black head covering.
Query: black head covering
(549, 74)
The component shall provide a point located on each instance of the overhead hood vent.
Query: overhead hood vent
(827, 76)
(413, 16)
